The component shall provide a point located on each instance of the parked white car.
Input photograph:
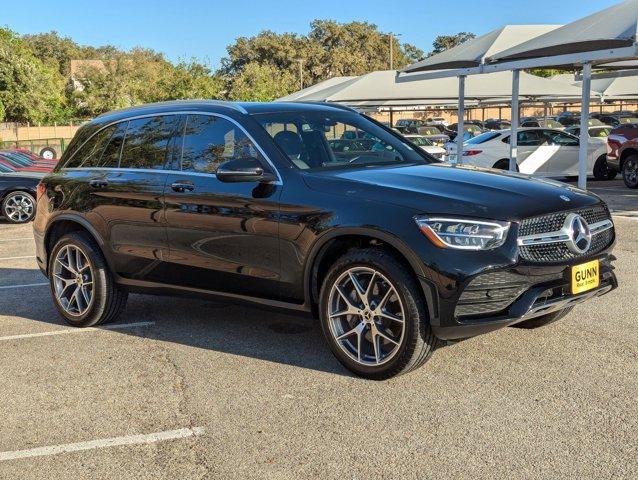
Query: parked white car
(427, 145)
(541, 151)
(437, 121)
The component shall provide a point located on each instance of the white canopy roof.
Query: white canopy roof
(614, 27)
(326, 85)
(472, 52)
(381, 88)
(610, 88)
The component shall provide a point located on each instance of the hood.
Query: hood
(444, 189)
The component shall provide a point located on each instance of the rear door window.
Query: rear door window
(146, 142)
(111, 155)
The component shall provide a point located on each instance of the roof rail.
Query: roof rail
(339, 106)
(220, 103)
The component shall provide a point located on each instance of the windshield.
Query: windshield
(553, 124)
(429, 131)
(420, 141)
(624, 120)
(307, 138)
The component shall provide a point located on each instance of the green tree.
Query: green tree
(192, 80)
(29, 90)
(330, 49)
(445, 42)
(261, 83)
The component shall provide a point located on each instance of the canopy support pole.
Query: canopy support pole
(584, 127)
(460, 121)
(391, 117)
(516, 75)
(545, 110)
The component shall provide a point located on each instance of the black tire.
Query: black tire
(24, 216)
(630, 171)
(418, 341)
(544, 320)
(108, 299)
(504, 164)
(49, 153)
(602, 170)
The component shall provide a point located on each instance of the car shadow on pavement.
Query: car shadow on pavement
(223, 327)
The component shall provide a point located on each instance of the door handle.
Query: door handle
(183, 186)
(99, 183)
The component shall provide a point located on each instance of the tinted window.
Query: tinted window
(90, 154)
(560, 139)
(209, 141)
(309, 147)
(111, 155)
(146, 142)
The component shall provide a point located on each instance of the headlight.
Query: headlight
(464, 234)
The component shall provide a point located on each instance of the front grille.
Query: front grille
(554, 221)
(559, 252)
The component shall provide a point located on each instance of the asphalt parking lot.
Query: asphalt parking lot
(198, 389)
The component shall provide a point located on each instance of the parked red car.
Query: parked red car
(22, 161)
(622, 153)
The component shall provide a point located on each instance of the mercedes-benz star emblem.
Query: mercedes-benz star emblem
(578, 232)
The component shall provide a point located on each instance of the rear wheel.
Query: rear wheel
(83, 288)
(544, 320)
(630, 171)
(373, 315)
(48, 153)
(18, 207)
(602, 170)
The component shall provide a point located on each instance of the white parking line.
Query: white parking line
(24, 286)
(17, 258)
(103, 443)
(15, 239)
(76, 330)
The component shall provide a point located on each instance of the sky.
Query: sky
(201, 29)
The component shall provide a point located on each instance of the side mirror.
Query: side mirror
(243, 170)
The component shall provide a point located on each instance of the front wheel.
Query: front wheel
(373, 316)
(630, 171)
(602, 170)
(18, 207)
(83, 288)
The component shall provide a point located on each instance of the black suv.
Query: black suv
(391, 249)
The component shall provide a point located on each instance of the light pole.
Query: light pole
(300, 60)
(391, 39)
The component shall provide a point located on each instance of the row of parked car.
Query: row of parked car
(438, 130)
(20, 173)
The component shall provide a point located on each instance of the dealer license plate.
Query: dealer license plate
(585, 276)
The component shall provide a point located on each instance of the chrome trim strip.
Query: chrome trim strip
(562, 303)
(279, 180)
(559, 236)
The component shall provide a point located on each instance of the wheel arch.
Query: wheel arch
(67, 223)
(626, 153)
(335, 243)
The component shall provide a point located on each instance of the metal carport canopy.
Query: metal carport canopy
(467, 59)
(604, 37)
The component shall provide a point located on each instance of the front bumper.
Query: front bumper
(544, 297)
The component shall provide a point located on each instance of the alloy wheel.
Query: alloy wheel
(366, 316)
(73, 280)
(19, 207)
(631, 171)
